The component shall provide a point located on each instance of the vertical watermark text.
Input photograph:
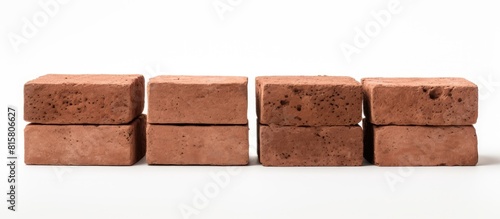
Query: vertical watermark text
(12, 158)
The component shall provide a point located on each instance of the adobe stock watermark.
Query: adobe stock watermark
(253, 148)
(223, 7)
(487, 86)
(153, 71)
(372, 29)
(31, 26)
(397, 177)
(211, 190)
(62, 171)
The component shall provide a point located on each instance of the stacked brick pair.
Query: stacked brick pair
(84, 120)
(309, 121)
(420, 121)
(197, 120)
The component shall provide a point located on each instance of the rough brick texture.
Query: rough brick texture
(197, 100)
(308, 100)
(420, 145)
(197, 145)
(85, 144)
(420, 101)
(310, 146)
(84, 99)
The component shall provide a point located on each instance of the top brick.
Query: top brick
(197, 100)
(83, 99)
(308, 100)
(420, 101)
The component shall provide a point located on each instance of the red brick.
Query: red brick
(310, 146)
(421, 145)
(308, 100)
(420, 101)
(197, 100)
(85, 144)
(197, 145)
(84, 99)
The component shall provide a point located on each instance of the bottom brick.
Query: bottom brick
(420, 145)
(85, 144)
(197, 145)
(310, 146)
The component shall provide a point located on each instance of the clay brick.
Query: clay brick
(197, 145)
(85, 144)
(420, 101)
(308, 100)
(420, 145)
(197, 100)
(310, 146)
(84, 99)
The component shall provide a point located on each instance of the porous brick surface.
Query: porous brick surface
(310, 146)
(420, 101)
(83, 99)
(197, 144)
(197, 100)
(420, 145)
(308, 100)
(85, 144)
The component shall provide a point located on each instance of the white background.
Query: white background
(423, 38)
